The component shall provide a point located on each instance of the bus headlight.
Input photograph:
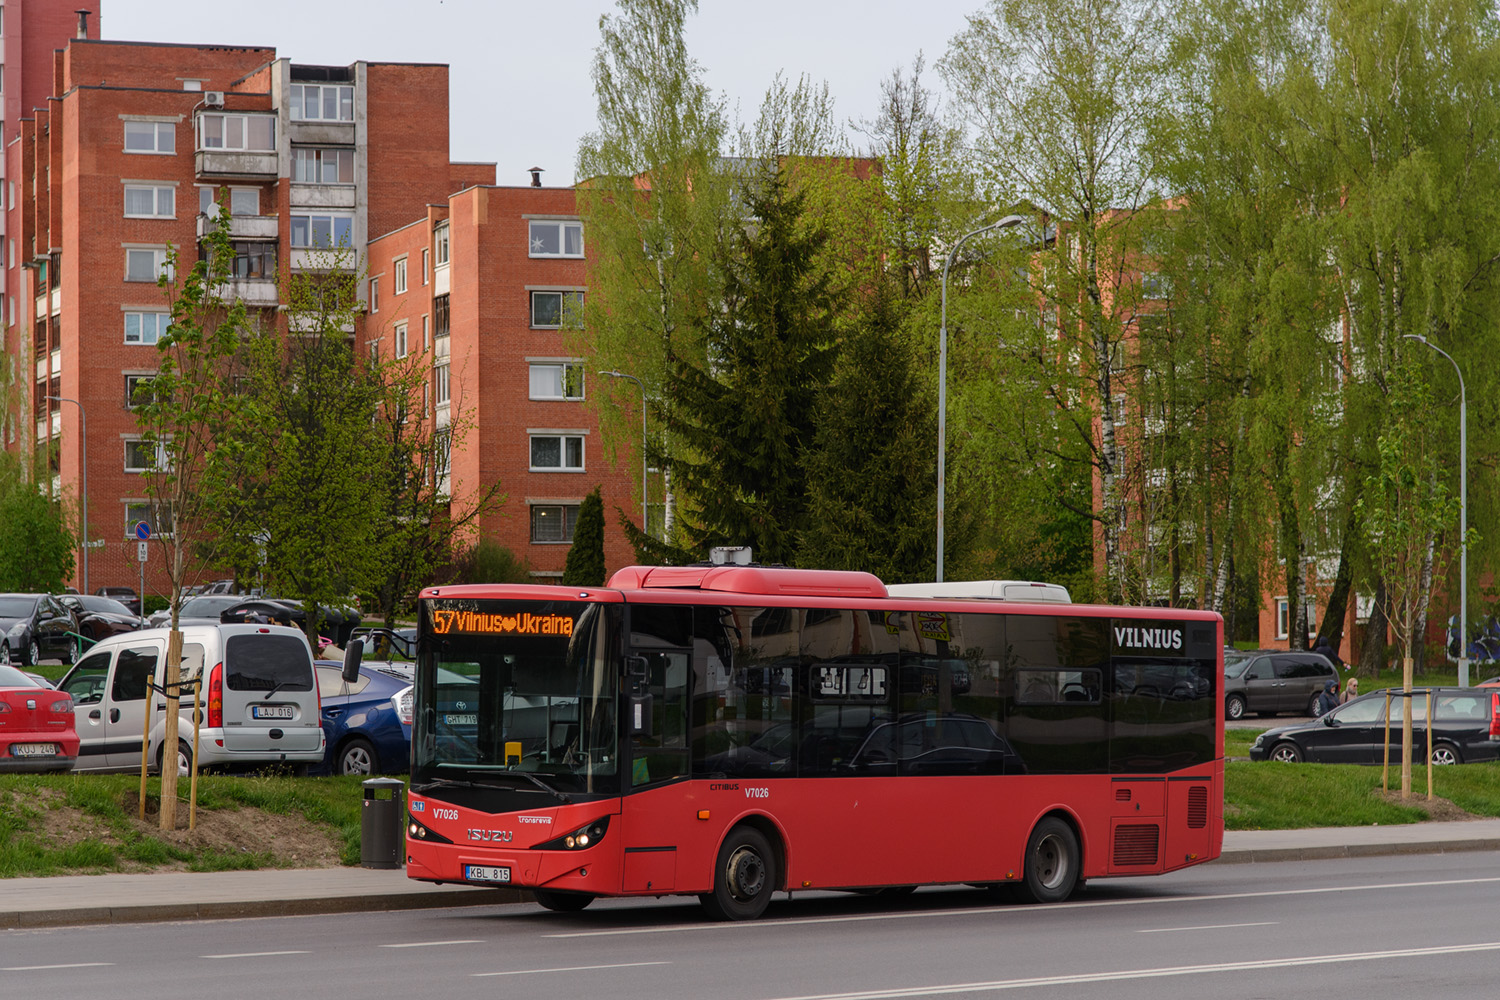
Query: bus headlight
(585, 836)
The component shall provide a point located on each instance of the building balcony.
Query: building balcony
(251, 291)
(242, 227)
(323, 196)
(219, 164)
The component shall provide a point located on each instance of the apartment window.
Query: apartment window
(554, 309)
(556, 453)
(143, 456)
(151, 137)
(551, 238)
(244, 201)
(255, 133)
(440, 386)
(150, 202)
(400, 336)
(398, 281)
(374, 295)
(553, 522)
(557, 381)
(313, 165)
(253, 260)
(157, 515)
(1155, 285)
(440, 236)
(322, 103)
(145, 264)
(146, 327)
(137, 390)
(440, 316)
(322, 230)
(193, 85)
(425, 262)
(426, 332)
(442, 453)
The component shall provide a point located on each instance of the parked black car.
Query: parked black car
(1466, 729)
(34, 627)
(99, 617)
(124, 595)
(336, 623)
(202, 610)
(1268, 681)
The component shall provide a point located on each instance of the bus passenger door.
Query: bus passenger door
(658, 729)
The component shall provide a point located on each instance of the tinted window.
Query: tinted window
(1463, 708)
(1302, 666)
(744, 688)
(1057, 720)
(16, 607)
(267, 663)
(1165, 703)
(133, 671)
(1259, 669)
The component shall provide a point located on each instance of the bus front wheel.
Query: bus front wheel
(744, 877)
(561, 900)
(1052, 863)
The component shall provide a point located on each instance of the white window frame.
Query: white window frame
(400, 336)
(563, 294)
(562, 511)
(344, 102)
(536, 229)
(163, 139)
(442, 385)
(158, 263)
(1283, 618)
(163, 201)
(137, 443)
(240, 192)
(244, 143)
(332, 218)
(133, 381)
(426, 264)
(147, 510)
(398, 280)
(374, 295)
(562, 368)
(426, 332)
(440, 239)
(160, 321)
(563, 438)
(316, 155)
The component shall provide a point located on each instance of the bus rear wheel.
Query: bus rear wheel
(561, 900)
(1052, 863)
(744, 877)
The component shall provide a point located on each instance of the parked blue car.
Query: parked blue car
(367, 723)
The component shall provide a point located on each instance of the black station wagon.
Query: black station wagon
(1466, 729)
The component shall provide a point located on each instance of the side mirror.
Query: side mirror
(352, 657)
(1330, 721)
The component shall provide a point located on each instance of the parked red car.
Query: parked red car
(36, 725)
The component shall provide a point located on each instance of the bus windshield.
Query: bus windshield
(515, 694)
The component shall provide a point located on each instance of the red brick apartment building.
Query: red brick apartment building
(131, 149)
(480, 284)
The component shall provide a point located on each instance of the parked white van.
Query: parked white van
(259, 700)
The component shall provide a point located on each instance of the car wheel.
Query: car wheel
(69, 655)
(357, 757)
(561, 900)
(1287, 753)
(184, 758)
(1234, 707)
(1312, 707)
(1052, 863)
(33, 654)
(1445, 753)
(744, 877)
(4, 654)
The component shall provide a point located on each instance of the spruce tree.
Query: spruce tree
(585, 565)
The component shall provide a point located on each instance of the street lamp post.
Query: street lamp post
(1463, 512)
(645, 530)
(83, 463)
(942, 455)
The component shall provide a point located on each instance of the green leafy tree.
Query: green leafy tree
(36, 548)
(585, 563)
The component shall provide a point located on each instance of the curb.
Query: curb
(1328, 852)
(17, 919)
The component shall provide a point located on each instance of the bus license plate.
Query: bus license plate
(33, 750)
(486, 873)
(270, 711)
(461, 720)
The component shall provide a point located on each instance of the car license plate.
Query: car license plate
(270, 711)
(486, 873)
(33, 750)
(461, 720)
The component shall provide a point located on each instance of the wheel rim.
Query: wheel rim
(1236, 708)
(5, 653)
(184, 763)
(745, 874)
(36, 653)
(1443, 755)
(1051, 861)
(1285, 754)
(357, 761)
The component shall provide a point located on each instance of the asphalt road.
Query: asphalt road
(1361, 928)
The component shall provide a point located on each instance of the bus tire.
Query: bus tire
(561, 900)
(1052, 863)
(744, 877)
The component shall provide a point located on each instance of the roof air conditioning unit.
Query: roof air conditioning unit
(213, 98)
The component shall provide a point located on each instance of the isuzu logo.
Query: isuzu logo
(491, 836)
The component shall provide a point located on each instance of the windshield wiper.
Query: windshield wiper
(472, 783)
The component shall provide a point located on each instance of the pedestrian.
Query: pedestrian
(1329, 699)
(1325, 648)
(1351, 689)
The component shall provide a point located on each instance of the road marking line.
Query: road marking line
(571, 968)
(39, 968)
(431, 944)
(1168, 971)
(1207, 927)
(746, 925)
(257, 954)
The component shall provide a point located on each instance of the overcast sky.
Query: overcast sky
(522, 94)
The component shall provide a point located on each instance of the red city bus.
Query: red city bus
(734, 731)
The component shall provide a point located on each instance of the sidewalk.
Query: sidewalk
(102, 899)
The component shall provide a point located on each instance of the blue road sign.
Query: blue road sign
(142, 530)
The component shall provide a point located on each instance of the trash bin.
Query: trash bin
(380, 823)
